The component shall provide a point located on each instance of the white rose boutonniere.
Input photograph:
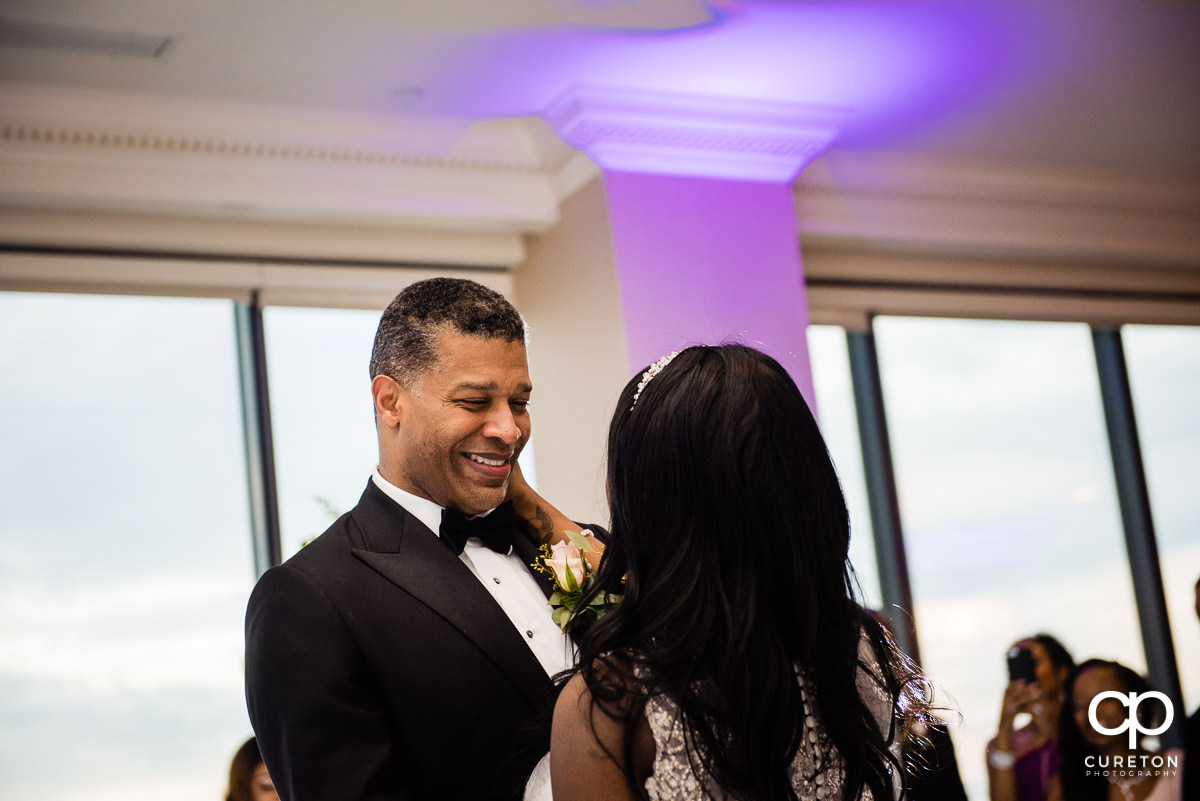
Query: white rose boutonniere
(565, 564)
(566, 561)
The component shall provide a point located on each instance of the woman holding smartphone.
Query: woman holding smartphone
(1022, 761)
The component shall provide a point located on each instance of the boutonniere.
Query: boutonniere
(569, 572)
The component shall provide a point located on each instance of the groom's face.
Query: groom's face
(464, 424)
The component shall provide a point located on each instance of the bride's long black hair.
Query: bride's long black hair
(729, 541)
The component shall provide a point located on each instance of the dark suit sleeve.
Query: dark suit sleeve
(315, 711)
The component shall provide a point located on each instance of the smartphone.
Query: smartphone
(1020, 663)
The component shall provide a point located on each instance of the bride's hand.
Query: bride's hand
(528, 507)
(538, 520)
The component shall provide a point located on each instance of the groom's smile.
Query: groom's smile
(465, 422)
(491, 465)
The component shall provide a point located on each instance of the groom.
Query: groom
(407, 652)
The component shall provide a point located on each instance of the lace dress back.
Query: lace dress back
(675, 777)
(679, 771)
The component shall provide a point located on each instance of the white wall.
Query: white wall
(567, 289)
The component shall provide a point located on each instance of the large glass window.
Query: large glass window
(127, 558)
(839, 425)
(1008, 504)
(1164, 374)
(321, 414)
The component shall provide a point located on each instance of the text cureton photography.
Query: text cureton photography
(1139, 765)
(1131, 765)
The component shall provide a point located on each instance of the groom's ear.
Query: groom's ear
(390, 400)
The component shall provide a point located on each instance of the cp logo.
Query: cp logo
(1130, 700)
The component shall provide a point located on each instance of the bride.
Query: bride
(738, 665)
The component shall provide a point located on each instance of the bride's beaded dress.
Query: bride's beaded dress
(676, 777)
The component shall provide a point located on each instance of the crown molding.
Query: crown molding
(66, 147)
(627, 130)
(406, 189)
(907, 203)
(174, 123)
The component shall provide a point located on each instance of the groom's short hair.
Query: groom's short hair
(405, 341)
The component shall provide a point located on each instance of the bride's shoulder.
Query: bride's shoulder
(593, 716)
(611, 684)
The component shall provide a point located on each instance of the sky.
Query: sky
(125, 534)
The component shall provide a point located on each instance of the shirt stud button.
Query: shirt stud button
(529, 633)
(496, 579)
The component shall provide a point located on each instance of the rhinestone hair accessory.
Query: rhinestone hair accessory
(653, 370)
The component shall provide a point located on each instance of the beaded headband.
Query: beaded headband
(653, 370)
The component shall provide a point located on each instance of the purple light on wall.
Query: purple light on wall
(703, 261)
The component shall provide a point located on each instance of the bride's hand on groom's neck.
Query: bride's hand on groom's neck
(537, 519)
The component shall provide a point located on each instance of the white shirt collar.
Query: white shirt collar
(423, 509)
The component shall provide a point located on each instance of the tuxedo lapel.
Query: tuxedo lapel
(406, 553)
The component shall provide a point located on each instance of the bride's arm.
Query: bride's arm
(587, 750)
(540, 521)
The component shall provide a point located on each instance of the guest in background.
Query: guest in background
(1022, 761)
(248, 778)
(1095, 766)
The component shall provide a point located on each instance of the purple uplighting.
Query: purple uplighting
(707, 261)
(896, 65)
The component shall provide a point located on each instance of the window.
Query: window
(321, 414)
(127, 559)
(1008, 504)
(1164, 374)
(839, 426)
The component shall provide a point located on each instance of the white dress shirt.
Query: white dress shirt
(505, 577)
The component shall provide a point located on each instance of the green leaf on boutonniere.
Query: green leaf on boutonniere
(561, 615)
(579, 541)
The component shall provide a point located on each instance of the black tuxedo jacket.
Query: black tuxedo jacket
(378, 667)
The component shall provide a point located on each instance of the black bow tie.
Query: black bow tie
(496, 530)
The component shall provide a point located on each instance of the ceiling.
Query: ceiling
(1093, 84)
